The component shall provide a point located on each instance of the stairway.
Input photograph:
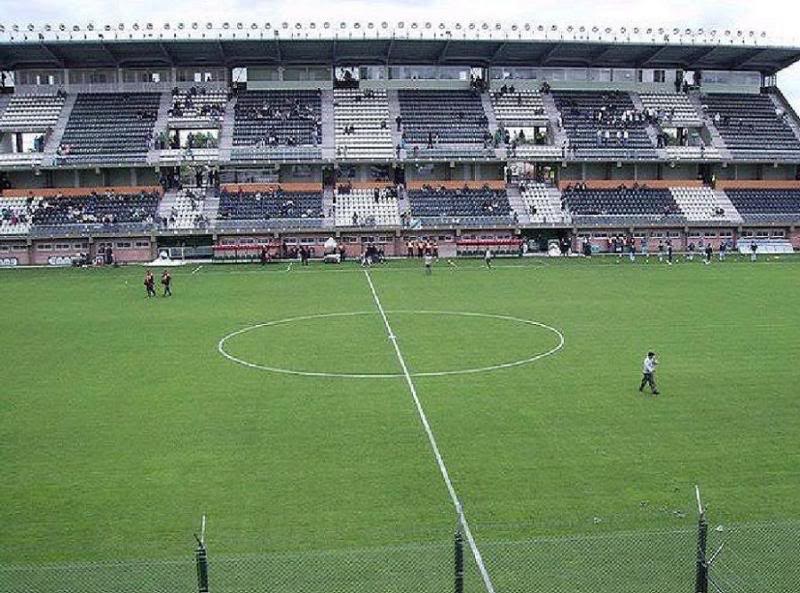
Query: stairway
(554, 116)
(790, 116)
(160, 125)
(328, 140)
(211, 205)
(226, 131)
(328, 207)
(652, 130)
(167, 203)
(518, 204)
(716, 138)
(54, 140)
(4, 99)
(731, 213)
(394, 111)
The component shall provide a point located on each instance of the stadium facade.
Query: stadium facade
(228, 140)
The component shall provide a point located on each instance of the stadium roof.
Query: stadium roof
(417, 44)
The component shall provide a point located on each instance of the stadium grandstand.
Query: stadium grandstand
(146, 138)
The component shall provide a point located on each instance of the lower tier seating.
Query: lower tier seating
(365, 207)
(635, 203)
(94, 208)
(438, 202)
(778, 205)
(15, 215)
(268, 205)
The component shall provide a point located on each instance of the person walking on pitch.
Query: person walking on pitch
(428, 264)
(487, 258)
(648, 372)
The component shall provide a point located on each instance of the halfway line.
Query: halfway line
(487, 581)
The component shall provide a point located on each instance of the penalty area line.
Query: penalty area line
(487, 581)
(197, 269)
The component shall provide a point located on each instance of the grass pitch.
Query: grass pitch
(122, 423)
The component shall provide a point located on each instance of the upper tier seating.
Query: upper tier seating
(268, 205)
(108, 127)
(596, 122)
(750, 126)
(278, 118)
(446, 117)
(15, 215)
(441, 202)
(518, 109)
(362, 124)
(368, 210)
(32, 112)
(672, 108)
(106, 208)
(197, 107)
(622, 205)
(779, 205)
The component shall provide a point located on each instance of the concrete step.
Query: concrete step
(554, 118)
(4, 99)
(54, 141)
(731, 213)
(488, 109)
(791, 121)
(226, 131)
(394, 111)
(517, 204)
(716, 138)
(328, 122)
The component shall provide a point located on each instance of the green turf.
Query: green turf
(121, 424)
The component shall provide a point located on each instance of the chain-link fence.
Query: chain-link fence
(739, 558)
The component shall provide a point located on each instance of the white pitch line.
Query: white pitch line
(487, 581)
(197, 269)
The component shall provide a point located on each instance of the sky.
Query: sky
(779, 18)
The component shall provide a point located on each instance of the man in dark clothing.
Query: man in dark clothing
(166, 280)
(150, 284)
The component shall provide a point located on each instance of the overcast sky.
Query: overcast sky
(779, 18)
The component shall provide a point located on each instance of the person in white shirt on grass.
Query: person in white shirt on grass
(428, 263)
(487, 257)
(648, 372)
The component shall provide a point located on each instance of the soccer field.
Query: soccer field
(273, 401)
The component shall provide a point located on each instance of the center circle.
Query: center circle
(517, 333)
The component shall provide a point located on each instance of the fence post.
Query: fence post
(701, 575)
(459, 561)
(201, 559)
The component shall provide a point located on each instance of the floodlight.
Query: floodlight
(195, 26)
(400, 25)
(326, 25)
(226, 26)
(61, 27)
(209, 25)
(166, 26)
(414, 25)
(240, 26)
(135, 26)
(48, 27)
(342, 25)
(622, 30)
(384, 25)
(356, 25)
(31, 28)
(181, 26)
(636, 30)
(2, 28)
(569, 29)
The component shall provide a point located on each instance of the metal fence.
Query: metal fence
(748, 558)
